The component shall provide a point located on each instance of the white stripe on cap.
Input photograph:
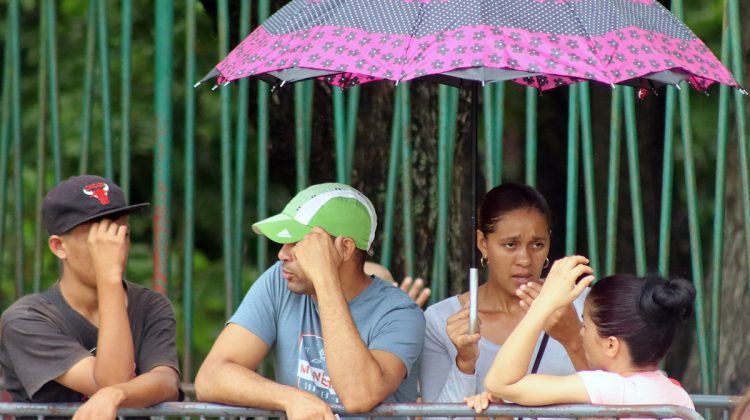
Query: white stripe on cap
(308, 210)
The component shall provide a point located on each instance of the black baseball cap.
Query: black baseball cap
(81, 199)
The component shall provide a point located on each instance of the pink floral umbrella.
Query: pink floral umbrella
(542, 43)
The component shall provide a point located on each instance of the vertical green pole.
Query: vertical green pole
(339, 132)
(497, 177)
(5, 123)
(187, 300)
(439, 262)
(613, 181)
(301, 131)
(531, 136)
(722, 138)
(696, 253)
(571, 212)
(15, 87)
(226, 166)
(665, 225)
(104, 73)
(488, 120)
(394, 163)
(126, 24)
(241, 158)
(262, 150)
(40, 152)
(639, 242)
(88, 88)
(588, 178)
(740, 104)
(406, 178)
(163, 15)
(51, 22)
(695, 239)
(352, 108)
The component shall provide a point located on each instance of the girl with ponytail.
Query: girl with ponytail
(628, 325)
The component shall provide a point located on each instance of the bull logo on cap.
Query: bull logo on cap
(98, 190)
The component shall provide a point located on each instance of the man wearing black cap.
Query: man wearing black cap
(92, 336)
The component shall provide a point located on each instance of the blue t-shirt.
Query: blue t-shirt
(289, 324)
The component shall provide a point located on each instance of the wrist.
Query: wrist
(466, 365)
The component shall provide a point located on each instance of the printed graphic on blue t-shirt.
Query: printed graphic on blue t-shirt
(312, 371)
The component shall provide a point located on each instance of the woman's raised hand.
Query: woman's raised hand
(566, 280)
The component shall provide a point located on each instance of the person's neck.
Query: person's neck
(81, 297)
(494, 298)
(626, 368)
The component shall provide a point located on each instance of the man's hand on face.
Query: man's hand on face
(319, 255)
(108, 244)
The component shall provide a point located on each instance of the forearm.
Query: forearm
(230, 383)
(512, 361)
(150, 388)
(346, 353)
(115, 360)
(574, 348)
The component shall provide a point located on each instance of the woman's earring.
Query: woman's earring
(546, 263)
(483, 261)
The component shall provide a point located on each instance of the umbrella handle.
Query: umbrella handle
(473, 285)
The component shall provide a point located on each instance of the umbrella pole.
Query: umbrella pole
(473, 271)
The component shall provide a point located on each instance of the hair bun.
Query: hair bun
(662, 299)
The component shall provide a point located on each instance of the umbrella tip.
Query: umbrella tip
(214, 88)
(614, 86)
(743, 91)
(197, 84)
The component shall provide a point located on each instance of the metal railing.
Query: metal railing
(206, 410)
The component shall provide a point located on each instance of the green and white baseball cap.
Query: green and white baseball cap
(338, 208)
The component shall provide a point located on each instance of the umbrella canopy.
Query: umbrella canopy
(542, 43)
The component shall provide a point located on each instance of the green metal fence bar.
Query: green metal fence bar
(454, 96)
(163, 16)
(613, 181)
(717, 260)
(15, 88)
(239, 167)
(499, 100)
(402, 92)
(189, 207)
(5, 123)
(226, 165)
(262, 150)
(634, 176)
(394, 162)
(488, 121)
(587, 150)
(571, 200)
(531, 135)
(101, 31)
(695, 240)
(339, 133)
(50, 19)
(126, 30)
(40, 152)
(440, 257)
(352, 109)
(740, 102)
(667, 183)
(88, 88)
(301, 132)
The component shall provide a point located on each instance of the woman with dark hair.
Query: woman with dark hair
(514, 240)
(628, 325)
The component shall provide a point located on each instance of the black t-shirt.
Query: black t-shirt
(38, 344)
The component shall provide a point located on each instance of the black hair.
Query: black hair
(509, 197)
(642, 311)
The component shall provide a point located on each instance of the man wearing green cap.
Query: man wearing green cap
(337, 334)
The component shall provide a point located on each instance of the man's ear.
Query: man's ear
(349, 248)
(57, 246)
